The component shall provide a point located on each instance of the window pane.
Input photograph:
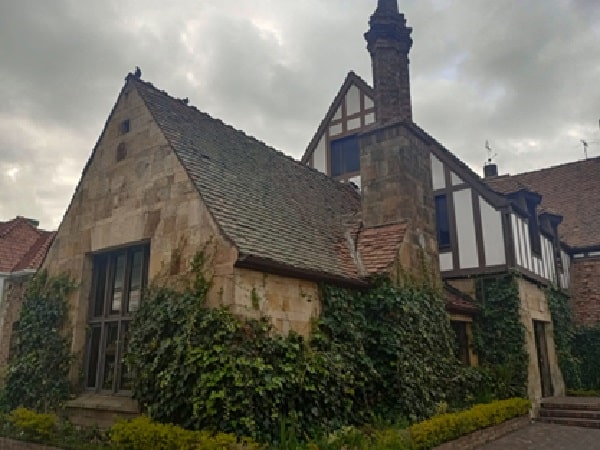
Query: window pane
(119, 283)
(125, 382)
(93, 357)
(345, 156)
(442, 221)
(135, 284)
(110, 355)
(100, 285)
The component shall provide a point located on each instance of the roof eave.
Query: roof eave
(246, 261)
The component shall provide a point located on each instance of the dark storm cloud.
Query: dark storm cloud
(521, 74)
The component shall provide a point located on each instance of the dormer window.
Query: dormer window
(345, 156)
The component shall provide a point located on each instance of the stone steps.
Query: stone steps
(576, 412)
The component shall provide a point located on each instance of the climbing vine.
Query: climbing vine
(499, 336)
(37, 373)
(564, 336)
(385, 351)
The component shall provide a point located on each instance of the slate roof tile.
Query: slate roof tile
(571, 190)
(272, 207)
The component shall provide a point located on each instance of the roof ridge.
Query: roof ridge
(556, 166)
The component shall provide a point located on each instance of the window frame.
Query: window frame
(344, 174)
(104, 271)
(535, 238)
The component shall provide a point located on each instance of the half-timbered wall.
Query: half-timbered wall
(355, 112)
(541, 264)
(476, 234)
(565, 276)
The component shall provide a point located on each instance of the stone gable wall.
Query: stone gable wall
(134, 190)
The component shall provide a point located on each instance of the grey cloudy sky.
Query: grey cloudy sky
(522, 74)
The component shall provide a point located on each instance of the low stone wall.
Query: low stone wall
(481, 437)
(9, 444)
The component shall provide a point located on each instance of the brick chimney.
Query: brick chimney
(388, 42)
(395, 162)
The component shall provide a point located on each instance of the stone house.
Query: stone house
(22, 249)
(373, 194)
(368, 138)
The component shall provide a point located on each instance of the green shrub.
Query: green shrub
(143, 434)
(586, 348)
(583, 393)
(383, 352)
(37, 373)
(446, 427)
(33, 425)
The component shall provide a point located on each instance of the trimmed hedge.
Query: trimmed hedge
(446, 427)
(143, 434)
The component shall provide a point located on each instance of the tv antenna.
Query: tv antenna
(491, 154)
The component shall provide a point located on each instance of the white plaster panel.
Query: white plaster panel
(370, 118)
(335, 129)
(368, 102)
(356, 181)
(353, 124)
(456, 180)
(446, 261)
(525, 235)
(516, 239)
(437, 173)
(465, 228)
(353, 100)
(338, 114)
(320, 156)
(493, 238)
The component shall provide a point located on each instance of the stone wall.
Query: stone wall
(290, 303)
(396, 187)
(10, 309)
(534, 307)
(585, 290)
(134, 190)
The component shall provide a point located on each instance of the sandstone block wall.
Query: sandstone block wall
(585, 290)
(134, 191)
(534, 306)
(290, 303)
(396, 187)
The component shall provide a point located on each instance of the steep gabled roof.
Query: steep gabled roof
(351, 79)
(22, 245)
(571, 190)
(275, 210)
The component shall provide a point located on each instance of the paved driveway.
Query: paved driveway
(548, 437)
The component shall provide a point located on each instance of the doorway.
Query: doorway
(541, 347)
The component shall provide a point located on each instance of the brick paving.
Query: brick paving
(548, 437)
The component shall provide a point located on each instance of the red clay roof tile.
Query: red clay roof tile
(22, 245)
